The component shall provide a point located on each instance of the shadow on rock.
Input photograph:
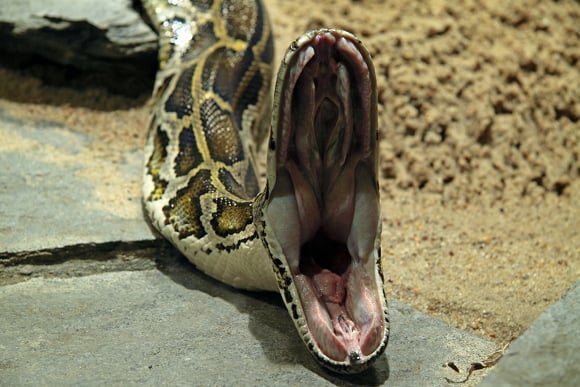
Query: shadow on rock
(269, 322)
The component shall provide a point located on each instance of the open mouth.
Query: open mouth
(324, 205)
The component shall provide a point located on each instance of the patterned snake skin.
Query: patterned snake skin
(313, 233)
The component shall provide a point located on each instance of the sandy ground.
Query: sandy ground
(480, 146)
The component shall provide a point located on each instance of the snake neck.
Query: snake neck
(212, 91)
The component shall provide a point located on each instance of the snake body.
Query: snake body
(313, 233)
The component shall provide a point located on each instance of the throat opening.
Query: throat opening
(322, 253)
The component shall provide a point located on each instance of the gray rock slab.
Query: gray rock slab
(178, 327)
(51, 197)
(548, 353)
(85, 33)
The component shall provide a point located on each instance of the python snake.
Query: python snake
(313, 233)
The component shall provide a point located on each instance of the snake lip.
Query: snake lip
(323, 205)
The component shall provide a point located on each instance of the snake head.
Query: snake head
(320, 214)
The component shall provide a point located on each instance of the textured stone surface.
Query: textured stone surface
(55, 192)
(548, 353)
(179, 327)
(87, 34)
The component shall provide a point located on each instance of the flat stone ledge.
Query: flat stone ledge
(57, 193)
(180, 327)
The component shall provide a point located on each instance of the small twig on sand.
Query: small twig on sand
(489, 361)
